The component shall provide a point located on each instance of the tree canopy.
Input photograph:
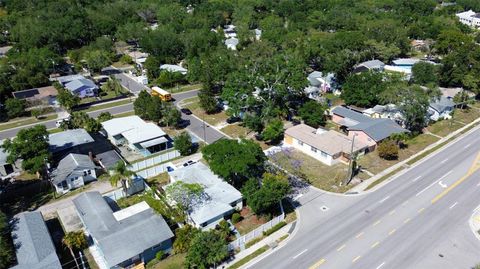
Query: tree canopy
(206, 249)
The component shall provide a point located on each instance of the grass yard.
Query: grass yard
(212, 119)
(374, 164)
(466, 115)
(236, 130)
(248, 258)
(322, 176)
(26, 121)
(172, 262)
(159, 180)
(108, 105)
(184, 88)
(126, 114)
(444, 127)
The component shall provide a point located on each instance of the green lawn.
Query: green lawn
(322, 176)
(373, 163)
(176, 261)
(250, 257)
(126, 114)
(236, 130)
(466, 115)
(184, 88)
(445, 127)
(108, 105)
(212, 119)
(19, 123)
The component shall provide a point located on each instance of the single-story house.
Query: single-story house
(140, 136)
(372, 65)
(405, 65)
(34, 247)
(138, 57)
(73, 171)
(221, 199)
(327, 146)
(441, 108)
(66, 79)
(125, 238)
(46, 94)
(230, 31)
(389, 111)
(174, 68)
(365, 129)
(82, 87)
(232, 43)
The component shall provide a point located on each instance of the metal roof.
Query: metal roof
(134, 129)
(68, 139)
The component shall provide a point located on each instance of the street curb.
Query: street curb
(470, 222)
(280, 245)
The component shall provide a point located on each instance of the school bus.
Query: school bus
(161, 93)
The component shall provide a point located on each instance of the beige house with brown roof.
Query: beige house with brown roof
(327, 146)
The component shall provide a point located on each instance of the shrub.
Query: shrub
(388, 150)
(160, 254)
(236, 218)
(275, 228)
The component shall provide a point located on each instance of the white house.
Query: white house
(221, 199)
(72, 172)
(470, 18)
(232, 43)
(329, 147)
(173, 68)
(133, 132)
(441, 108)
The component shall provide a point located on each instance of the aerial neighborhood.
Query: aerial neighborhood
(239, 134)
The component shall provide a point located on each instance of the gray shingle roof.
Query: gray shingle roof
(68, 139)
(120, 240)
(372, 64)
(378, 129)
(442, 104)
(76, 84)
(34, 247)
(72, 164)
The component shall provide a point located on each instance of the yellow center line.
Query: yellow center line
(340, 248)
(475, 166)
(421, 210)
(392, 231)
(406, 221)
(355, 259)
(359, 235)
(375, 244)
(376, 223)
(317, 264)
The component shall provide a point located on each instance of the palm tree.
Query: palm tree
(121, 174)
(75, 240)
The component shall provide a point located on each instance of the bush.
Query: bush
(236, 218)
(388, 150)
(160, 255)
(275, 228)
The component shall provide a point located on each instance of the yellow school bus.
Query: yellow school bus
(161, 93)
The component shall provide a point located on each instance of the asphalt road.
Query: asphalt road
(408, 223)
(196, 126)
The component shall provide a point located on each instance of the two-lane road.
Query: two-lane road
(401, 225)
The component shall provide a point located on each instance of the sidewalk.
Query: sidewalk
(474, 222)
(362, 186)
(270, 241)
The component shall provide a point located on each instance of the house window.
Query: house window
(324, 154)
(314, 149)
(84, 173)
(300, 143)
(89, 172)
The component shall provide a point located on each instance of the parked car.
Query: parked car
(233, 120)
(170, 169)
(186, 111)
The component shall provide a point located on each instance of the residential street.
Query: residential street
(418, 220)
(196, 126)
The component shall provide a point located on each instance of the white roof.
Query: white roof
(173, 68)
(133, 128)
(130, 211)
(399, 69)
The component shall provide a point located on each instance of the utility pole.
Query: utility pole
(350, 163)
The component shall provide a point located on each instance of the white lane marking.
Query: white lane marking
(381, 265)
(444, 160)
(452, 206)
(404, 203)
(384, 199)
(422, 191)
(297, 197)
(417, 178)
(467, 146)
(298, 255)
(442, 185)
(342, 247)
